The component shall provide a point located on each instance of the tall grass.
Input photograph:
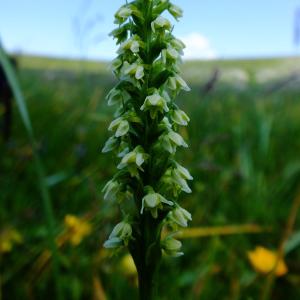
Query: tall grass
(39, 168)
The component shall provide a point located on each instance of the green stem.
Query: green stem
(12, 79)
(149, 246)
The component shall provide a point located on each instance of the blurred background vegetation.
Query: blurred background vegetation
(244, 150)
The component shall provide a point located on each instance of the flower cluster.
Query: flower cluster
(145, 131)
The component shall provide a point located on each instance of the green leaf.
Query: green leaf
(292, 243)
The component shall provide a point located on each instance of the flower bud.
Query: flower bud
(120, 235)
(175, 11)
(123, 149)
(171, 246)
(111, 144)
(119, 126)
(170, 54)
(171, 140)
(110, 190)
(178, 45)
(183, 172)
(177, 139)
(180, 180)
(176, 83)
(117, 97)
(180, 216)
(180, 117)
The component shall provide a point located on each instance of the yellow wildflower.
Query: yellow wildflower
(76, 229)
(264, 261)
(8, 238)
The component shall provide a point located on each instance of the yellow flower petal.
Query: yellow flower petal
(264, 261)
(76, 229)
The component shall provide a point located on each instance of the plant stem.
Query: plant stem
(148, 244)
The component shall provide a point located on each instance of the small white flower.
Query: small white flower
(180, 179)
(171, 140)
(113, 243)
(111, 144)
(170, 54)
(178, 45)
(177, 139)
(120, 235)
(122, 15)
(110, 190)
(117, 97)
(161, 23)
(119, 126)
(175, 11)
(133, 69)
(155, 103)
(180, 117)
(154, 201)
(123, 149)
(171, 246)
(176, 83)
(133, 44)
(134, 160)
(180, 216)
(165, 124)
(183, 172)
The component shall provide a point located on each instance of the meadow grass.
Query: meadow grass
(244, 157)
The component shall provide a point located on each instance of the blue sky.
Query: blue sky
(210, 28)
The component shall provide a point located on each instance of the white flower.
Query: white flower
(171, 246)
(161, 23)
(133, 69)
(117, 97)
(155, 103)
(110, 190)
(183, 172)
(171, 140)
(180, 179)
(122, 15)
(180, 117)
(176, 83)
(180, 216)
(119, 126)
(154, 201)
(120, 235)
(178, 45)
(134, 160)
(175, 11)
(170, 54)
(111, 144)
(133, 44)
(123, 149)
(165, 124)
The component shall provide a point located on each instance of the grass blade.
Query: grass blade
(45, 195)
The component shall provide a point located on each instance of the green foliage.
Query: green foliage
(244, 158)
